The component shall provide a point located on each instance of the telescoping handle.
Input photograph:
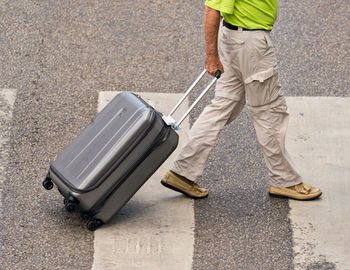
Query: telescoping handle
(171, 121)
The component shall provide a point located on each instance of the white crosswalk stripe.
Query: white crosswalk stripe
(319, 140)
(155, 229)
(7, 100)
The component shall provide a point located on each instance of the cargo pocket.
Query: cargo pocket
(262, 87)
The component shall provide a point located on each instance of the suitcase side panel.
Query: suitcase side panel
(137, 178)
(89, 199)
(104, 141)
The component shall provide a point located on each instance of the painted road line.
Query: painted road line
(155, 230)
(319, 141)
(7, 99)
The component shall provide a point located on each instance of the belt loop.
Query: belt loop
(240, 29)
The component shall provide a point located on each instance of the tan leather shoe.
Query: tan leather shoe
(298, 192)
(182, 184)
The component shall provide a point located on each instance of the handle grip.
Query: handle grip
(218, 74)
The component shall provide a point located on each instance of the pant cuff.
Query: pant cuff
(286, 183)
(183, 173)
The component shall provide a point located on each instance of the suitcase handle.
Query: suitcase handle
(171, 121)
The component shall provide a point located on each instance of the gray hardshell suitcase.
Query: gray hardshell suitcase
(114, 156)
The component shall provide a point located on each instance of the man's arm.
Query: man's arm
(211, 29)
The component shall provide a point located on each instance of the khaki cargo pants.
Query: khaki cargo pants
(250, 76)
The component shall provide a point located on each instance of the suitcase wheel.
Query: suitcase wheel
(47, 183)
(71, 204)
(71, 207)
(92, 225)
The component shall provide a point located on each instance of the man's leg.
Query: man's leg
(191, 161)
(270, 122)
(203, 135)
(268, 109)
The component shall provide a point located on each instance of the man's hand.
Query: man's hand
(212, 64)
(211, 29)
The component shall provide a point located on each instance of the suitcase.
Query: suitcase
(114, 155)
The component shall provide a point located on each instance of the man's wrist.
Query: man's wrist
(212, 53)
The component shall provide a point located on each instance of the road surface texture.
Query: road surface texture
(57, 56)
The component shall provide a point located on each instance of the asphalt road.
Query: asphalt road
(60, 54)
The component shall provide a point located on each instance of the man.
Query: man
(242, 50)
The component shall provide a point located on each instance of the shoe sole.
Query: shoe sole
(295, 198)
(181, 191)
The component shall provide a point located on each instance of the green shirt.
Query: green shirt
(250, 14)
